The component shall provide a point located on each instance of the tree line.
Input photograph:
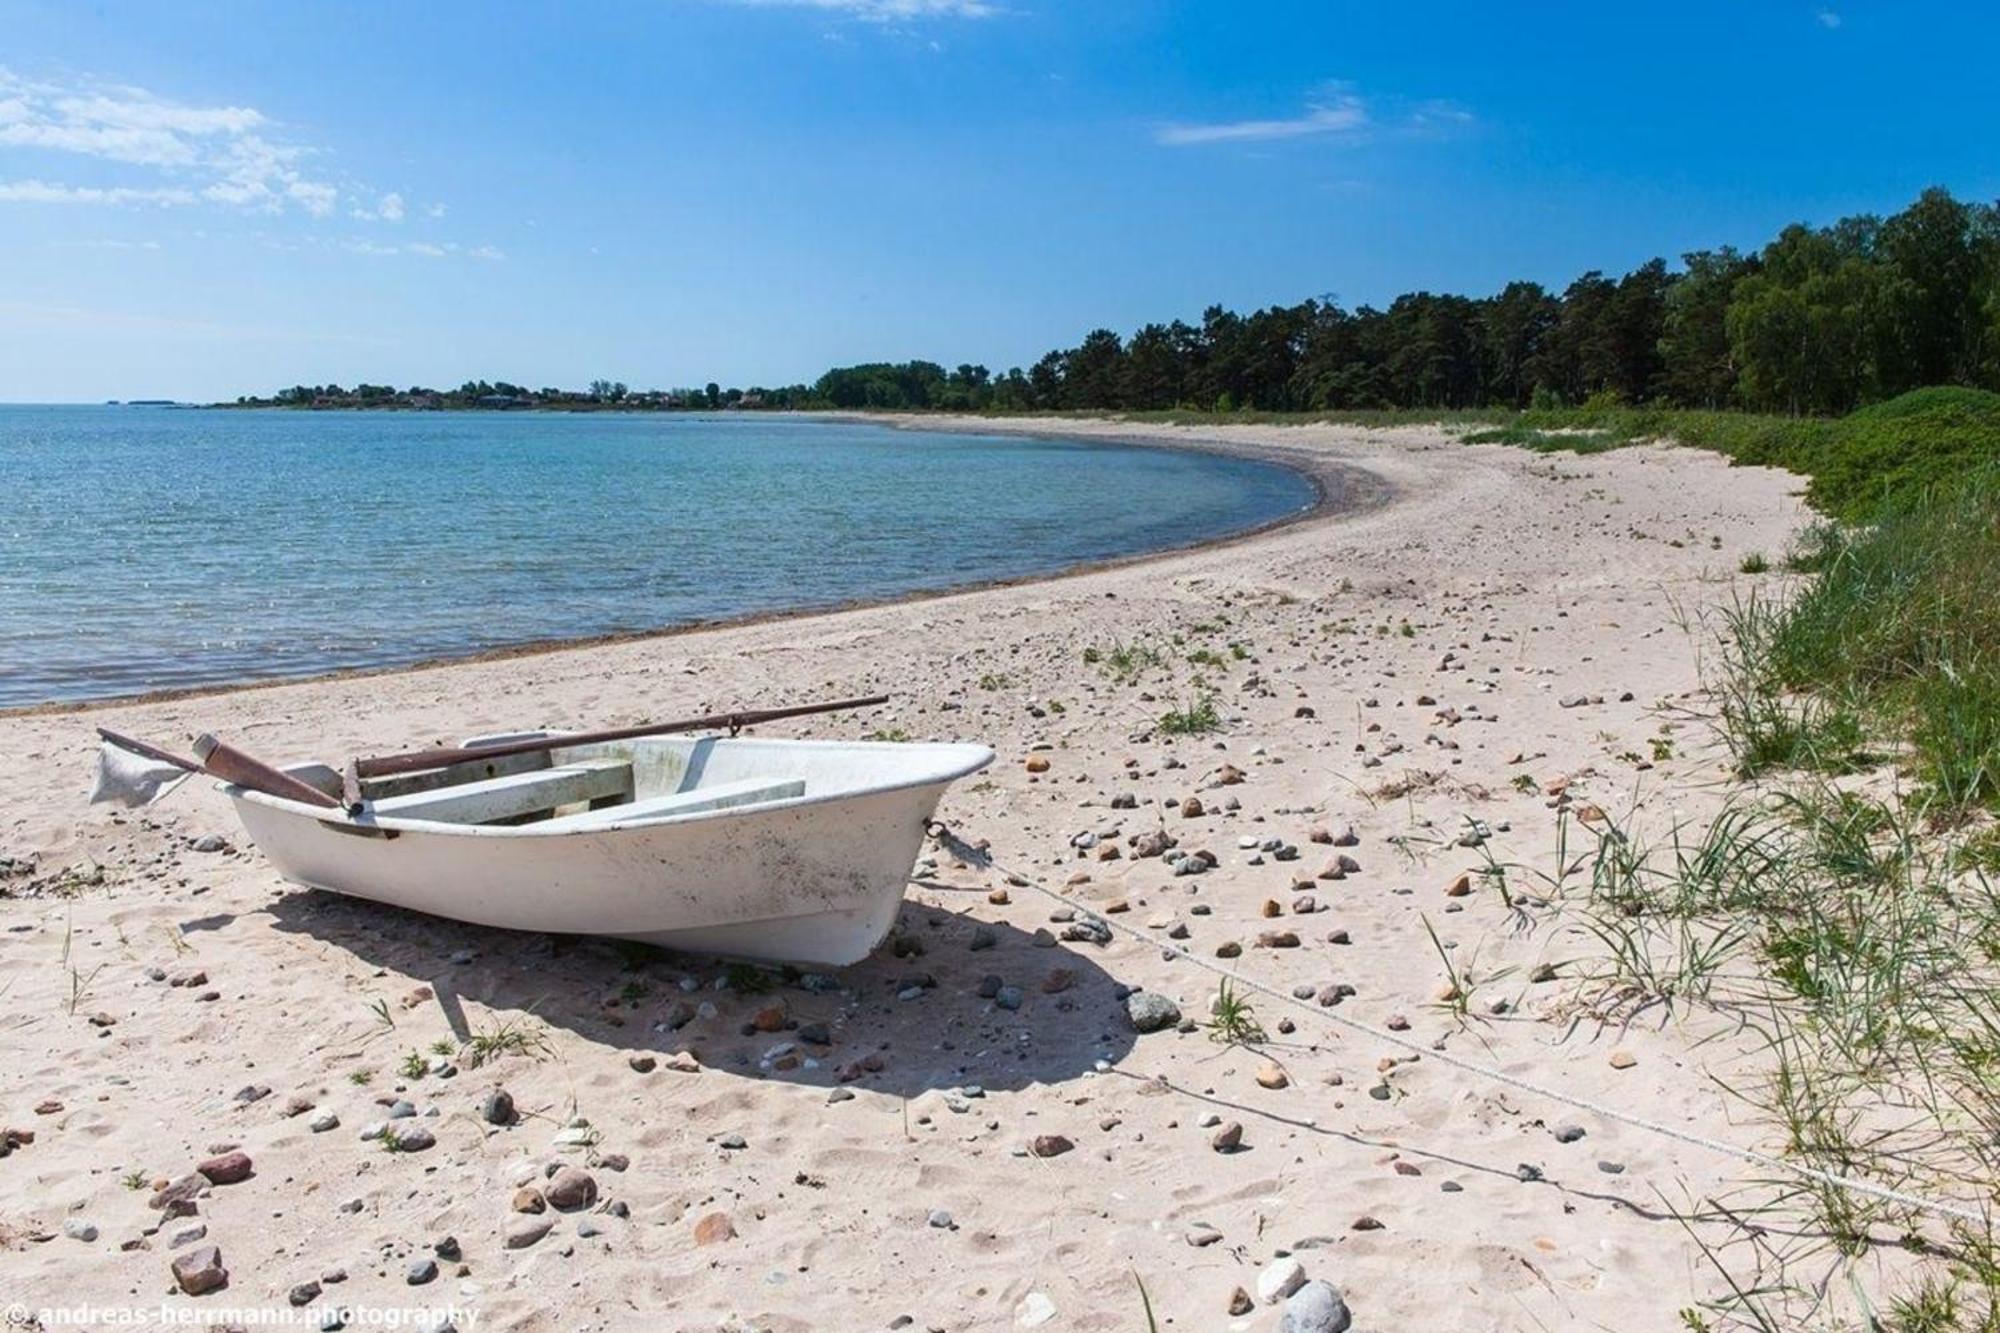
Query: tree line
(1819, 321)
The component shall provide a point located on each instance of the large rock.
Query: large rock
(570, 1189)
(199, 1271)
(1315, 1308)
(1151, 1012)
(227, 1169)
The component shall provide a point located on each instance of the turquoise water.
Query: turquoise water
(143, 548)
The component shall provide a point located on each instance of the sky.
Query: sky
(199, 201)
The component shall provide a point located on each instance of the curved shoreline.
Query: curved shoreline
(1340, 489)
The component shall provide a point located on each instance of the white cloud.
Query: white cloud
(186, 154)
(1828, 18)
(1336, 113)
(1344, 114)
(884, 11)
(42, 192)
(435, 211)
(421, 249)
(389, 208)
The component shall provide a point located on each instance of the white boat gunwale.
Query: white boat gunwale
(969, 758)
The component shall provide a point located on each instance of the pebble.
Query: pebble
(497, 1108)
(1568, 1133)
(713, 1229)
(1228, 1139)
(940, 1219)
(76, 1228)
(227, 1169)
(1280, 1279)
(1050, 1145)
(199, 1271)
(420, 1271)
(323, 1122)
(1315, 1307)
(1034, 1310)
(525, 1231)
(570, 1189)
(414, 1139)
(1151, 1012)
(1273, 1077)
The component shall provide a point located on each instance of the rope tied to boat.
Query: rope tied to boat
(950, 841)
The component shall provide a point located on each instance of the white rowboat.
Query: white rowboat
(792, 851)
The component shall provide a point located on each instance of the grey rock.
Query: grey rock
(420, 1271)
(498, 1107)
(1008, 997)
(76, 1228)
(940, 1219)
(1315, 1308)
(1150, 1011)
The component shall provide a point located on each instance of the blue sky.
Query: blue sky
(201, 200)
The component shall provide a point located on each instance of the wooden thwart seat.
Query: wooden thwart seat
(513, 795)
(718, 796)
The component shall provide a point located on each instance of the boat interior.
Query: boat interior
(578, 788)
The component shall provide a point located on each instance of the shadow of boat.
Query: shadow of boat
(908, 1019)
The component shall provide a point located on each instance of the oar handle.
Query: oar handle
(386, 765)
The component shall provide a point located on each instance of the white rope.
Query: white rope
(966, 852)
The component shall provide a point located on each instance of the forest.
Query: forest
(1817, 322)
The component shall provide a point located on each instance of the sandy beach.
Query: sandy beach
(1465, 646)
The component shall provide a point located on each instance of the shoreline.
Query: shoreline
(1338, 489)
(1502, 640)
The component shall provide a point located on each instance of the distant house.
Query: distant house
(497, 400)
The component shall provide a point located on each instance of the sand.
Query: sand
(1474, 627)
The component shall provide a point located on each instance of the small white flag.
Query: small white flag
(132, 780)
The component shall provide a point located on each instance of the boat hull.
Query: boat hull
(817, 881)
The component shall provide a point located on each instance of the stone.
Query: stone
(1280, 1278)
(1459, 887)
(1272, 1076)
(525, 1231)
(570, 1189)
(497, 1107)
(200, 1271)
(177, 1199)
(227, 1169)
(1033, 1310)
(940, 1219)
(1623, 1059)
(305, 1293)
(76, 1228)
(1150, 1011)
(642, 1064)
(1568, 1133)
(323, 1122)
(1228, 1139)
(1315, 1307)
(714, 1229)
(528, 1199)
(414, 1139)
(1240, 1302)
(1050, 1145)
(421, 1270)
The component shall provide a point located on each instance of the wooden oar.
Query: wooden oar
(229, 764)
(388, 764)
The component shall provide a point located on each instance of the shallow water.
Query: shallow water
(144, 548)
